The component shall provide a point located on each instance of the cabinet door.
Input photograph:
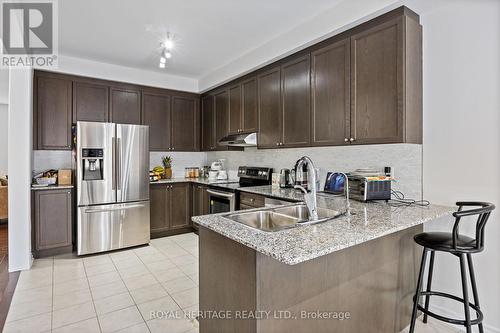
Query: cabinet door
(330, 94)
(53, 112)
(125, 106)
(159, 218)
(90, 102)
(269, 106)
(53, 219)
(180, 205)
(376, 83)
(249, 104)
(156, 114)
(184, 124)
(221, 117)
(296, 93)
(207, 123)
(235, 109)
(200, 200)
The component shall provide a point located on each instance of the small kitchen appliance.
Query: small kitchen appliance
(301, 175)
(286, 179)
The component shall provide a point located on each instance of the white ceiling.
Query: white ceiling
(208, 33)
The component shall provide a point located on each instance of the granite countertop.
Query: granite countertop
(275, 192)
(293, 246)
(51, 187)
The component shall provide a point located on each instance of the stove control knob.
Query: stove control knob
(260, 173)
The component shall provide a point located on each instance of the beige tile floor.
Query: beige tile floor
(113, 292)
(116, 292)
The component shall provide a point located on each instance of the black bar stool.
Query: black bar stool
(461, 246)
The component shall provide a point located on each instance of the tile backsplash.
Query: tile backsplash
(57, 159)
(51, 159)
(405, 159)
(180, 160)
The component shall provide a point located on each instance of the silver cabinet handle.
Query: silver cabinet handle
(119, 164)
(351, 139)
(113, 163)
(221, 194)
(102, 210)
(277, 143)
(346, 140)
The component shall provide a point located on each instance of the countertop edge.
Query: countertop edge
(278, 255)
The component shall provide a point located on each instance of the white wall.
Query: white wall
(461, 132)
(4, 101)
(19, 155)
(4, 116)
(84, 67)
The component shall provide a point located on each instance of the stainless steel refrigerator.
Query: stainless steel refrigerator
(112, 186)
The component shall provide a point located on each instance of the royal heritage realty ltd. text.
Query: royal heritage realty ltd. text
(246, 314)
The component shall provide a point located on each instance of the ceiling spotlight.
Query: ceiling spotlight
(169, 44)
(163, 60)
(162, 65)
(167, 54)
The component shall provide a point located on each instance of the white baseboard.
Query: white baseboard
(448, 313)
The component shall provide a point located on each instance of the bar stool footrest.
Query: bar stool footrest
(454, 321)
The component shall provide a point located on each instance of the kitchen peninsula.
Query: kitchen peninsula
(362, 266)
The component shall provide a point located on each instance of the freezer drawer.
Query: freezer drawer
(110, 227)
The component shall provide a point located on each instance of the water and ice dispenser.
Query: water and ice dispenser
(93, 163)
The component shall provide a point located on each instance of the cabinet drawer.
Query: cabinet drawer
(252, 200)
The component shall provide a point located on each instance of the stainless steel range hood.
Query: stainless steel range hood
(239, 140)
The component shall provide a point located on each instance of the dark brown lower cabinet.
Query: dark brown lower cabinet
(200, 201)
(52, 222)
(250, 200)
(170, 209)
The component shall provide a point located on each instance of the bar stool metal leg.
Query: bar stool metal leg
(465, 292)
(429, 282)
(418, 291)
(474, 287)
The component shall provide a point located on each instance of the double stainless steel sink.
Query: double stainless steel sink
(275, 219)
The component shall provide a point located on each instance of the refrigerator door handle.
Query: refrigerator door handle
(113, 153)
(102, 210)
(119, 164)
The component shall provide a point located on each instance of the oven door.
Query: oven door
(221, 202)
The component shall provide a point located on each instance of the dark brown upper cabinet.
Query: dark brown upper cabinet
(235, 109)
(125, 105)
(386, 83)
(363, 86)
(243, 107)
(269, 106)
(295, 102)
(52, 112)
(207, 123)
(249, 105)
(90, 101)
(156, 113)
(330, 84)
(221, 105)
(185, 124)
